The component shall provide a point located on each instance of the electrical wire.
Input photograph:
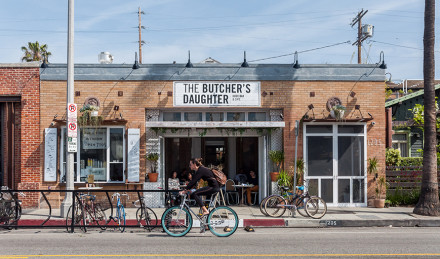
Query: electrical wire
(303, 51)
(396, 45)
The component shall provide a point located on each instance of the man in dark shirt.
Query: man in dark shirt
(254, 181)
(205, 174)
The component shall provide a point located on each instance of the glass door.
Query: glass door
(335, 163)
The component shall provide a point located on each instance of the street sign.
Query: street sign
(72, 144)
(72, 112)
(72, 129)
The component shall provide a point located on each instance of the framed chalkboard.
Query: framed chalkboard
(50, 155)
(133, 155)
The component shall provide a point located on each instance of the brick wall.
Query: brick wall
(293, 97)
(23, 80)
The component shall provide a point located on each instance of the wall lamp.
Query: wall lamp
(296, 65)
(244, 64)
(136, 63)
(189, 64)
(357, 107)
(311, 107)
(389, 79)
(382, 58)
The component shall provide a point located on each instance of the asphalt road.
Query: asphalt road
(264, 242)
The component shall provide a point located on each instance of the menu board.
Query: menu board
(133, 155)
(50, 154)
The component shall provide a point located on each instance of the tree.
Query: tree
(35, 52)
(429, 203)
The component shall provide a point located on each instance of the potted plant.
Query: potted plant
(89, 115)
(299, 171)
(372, 166)
(381, 183)
(153, 158)
(285, 179)
(337, 112)
(277, 158)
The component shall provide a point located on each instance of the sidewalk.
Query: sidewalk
(335, 217)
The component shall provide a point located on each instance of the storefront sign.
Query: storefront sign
(133, 155)
(94, 138)
(50, 154)
(217, 94)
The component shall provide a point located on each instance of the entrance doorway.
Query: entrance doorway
(232, 154)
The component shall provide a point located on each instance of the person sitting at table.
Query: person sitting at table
(173, 185)
(253, 180)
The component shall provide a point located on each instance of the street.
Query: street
(264, 242)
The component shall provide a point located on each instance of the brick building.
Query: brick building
(20, 140)
(230, 115)
(227, 114)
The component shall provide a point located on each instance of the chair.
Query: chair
(231, 191)
(255, 195)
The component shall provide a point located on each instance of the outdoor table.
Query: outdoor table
(243, 187)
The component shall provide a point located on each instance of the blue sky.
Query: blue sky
(222, 30)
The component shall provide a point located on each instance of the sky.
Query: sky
(318, 30)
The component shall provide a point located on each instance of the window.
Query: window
(214, 116)
(172, 116)
(100, 152)
(256, 116)
(235, 116)
(400, 142)
(193, 116)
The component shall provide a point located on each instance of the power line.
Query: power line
(396, 45)
(303, 51)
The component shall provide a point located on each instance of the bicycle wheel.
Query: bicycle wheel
(316, 207)
(78, 218)
(275, 206)
(223, 221)
(146, 218)
(100, 217)
(121, 218)
(300, 207)
(262, 209)
(176, 222)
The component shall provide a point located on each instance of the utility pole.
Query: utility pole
(140, 34)
(360, 38)
(70, 99)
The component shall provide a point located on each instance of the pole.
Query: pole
(296, 152)
(140, 36)
(359, 40)
(70, 99)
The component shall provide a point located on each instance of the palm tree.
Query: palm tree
(429, 203)
(35, 52)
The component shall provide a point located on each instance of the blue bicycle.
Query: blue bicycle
(119, 219)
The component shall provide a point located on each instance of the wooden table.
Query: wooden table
(243, 187)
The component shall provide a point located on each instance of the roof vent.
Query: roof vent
(105, 58)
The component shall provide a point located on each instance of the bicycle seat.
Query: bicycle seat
(284, 188)
(301, 188)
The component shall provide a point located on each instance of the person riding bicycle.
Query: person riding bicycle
(205, 174)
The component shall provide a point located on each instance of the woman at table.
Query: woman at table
(207, 175)
(253, 180)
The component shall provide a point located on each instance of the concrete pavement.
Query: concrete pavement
(251, 215)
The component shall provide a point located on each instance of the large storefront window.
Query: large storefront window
(100, 152)
(335, 160)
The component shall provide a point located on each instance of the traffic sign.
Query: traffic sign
(72, 129)
(72, 144)
(72, 112)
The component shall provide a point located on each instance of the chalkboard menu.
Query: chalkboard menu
(133, 155)
(50, 154)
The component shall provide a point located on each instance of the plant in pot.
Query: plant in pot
(285, 179)
(299, 171)
(89, 116)
(372, 166)
(381, 183)
(153, 158)
(337, 112)
(277, 158)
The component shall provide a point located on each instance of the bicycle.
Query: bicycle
(313, 206)
(86, 213)
(10, 208)
(120, 212)
(177, 221)
(145, 216)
